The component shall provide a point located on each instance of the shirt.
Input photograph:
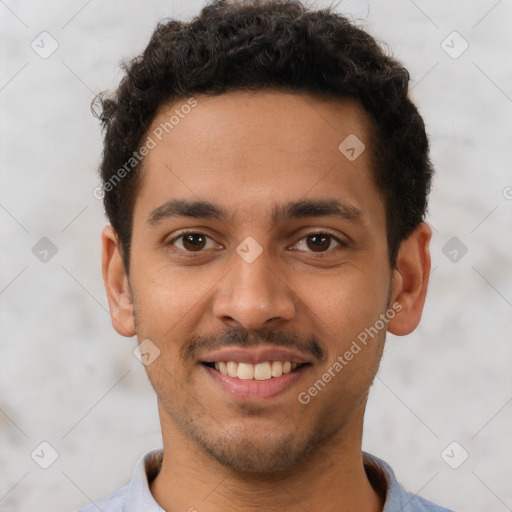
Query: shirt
(136, 496)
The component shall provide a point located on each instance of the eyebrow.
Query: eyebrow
(280, 213)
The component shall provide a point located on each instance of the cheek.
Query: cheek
(342, 305)
(167, 299)
(167, 305)
(344, 310)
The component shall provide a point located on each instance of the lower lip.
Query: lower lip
(255, 389)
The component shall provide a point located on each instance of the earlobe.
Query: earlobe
(410, 280)
(116, 284)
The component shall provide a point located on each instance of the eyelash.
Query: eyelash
(193, 254)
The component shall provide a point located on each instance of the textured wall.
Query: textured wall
(68, 379)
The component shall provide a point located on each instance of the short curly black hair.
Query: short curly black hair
(268, 44)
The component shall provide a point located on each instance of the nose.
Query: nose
(253, 294)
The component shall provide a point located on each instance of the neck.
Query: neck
(332, 479)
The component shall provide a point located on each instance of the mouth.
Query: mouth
(258, 382)
(254, 374)
(262, 371)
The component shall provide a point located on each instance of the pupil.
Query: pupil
(192, 240)
(319, 242)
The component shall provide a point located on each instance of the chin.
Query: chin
(256, 456)
(260, 450)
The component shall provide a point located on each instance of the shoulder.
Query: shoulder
(136, 495)
(113, 502)
(382, 477)
(415, 503)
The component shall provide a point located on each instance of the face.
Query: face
(258, 258)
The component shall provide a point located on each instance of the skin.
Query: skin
(247, 151)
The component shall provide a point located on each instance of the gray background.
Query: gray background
(68, 379)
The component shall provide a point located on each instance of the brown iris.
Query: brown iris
(194, 242)
(319, 242)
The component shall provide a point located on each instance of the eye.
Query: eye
(192, 242)
(320, 242)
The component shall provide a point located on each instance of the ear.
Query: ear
(116, 284)
(410, 280)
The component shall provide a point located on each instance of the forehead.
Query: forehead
(304, 124)
(244, 149)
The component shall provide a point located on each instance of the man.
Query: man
(266, 180)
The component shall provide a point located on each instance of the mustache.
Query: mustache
(233, 337)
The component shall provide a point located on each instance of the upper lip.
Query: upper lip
(254, 355)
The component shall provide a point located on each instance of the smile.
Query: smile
(264, 370)
(260, 381)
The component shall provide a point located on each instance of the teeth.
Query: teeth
(245, 371)
(277, 369)
(261, 371)
(223, 368)
(232, 369)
